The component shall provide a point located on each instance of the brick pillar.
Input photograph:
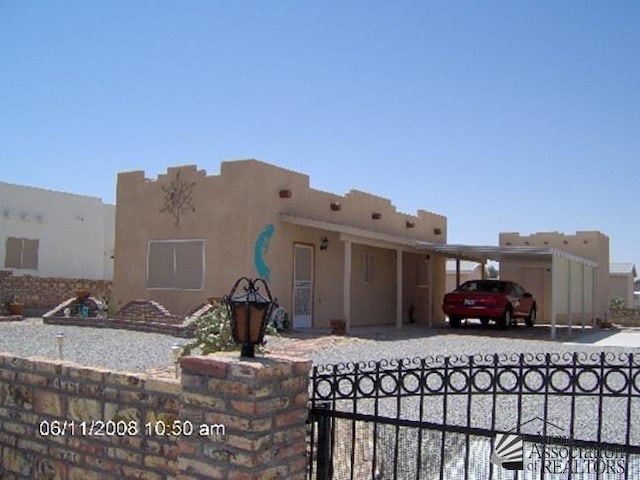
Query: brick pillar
(261, 404)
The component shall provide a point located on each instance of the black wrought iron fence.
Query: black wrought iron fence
(552, 415)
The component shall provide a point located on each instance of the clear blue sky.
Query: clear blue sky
(501, 115)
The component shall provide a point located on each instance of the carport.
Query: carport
(571, 279)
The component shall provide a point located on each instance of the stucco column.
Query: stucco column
(346, 288)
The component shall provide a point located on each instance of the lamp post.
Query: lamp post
(176, 350)
(60, 343)
(249, 311)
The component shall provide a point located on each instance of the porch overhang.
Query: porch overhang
(350, 235)
(357, 234)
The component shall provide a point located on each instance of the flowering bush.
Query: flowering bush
(213, 333)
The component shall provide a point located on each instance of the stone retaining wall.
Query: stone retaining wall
(227, 418)
(40, 294)
(626, 317)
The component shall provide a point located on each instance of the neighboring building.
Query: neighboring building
(468, 271)
(53, 234)
(621, 278)
(187, 236)
(536, 277)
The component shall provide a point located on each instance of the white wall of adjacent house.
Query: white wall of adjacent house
(54, 234)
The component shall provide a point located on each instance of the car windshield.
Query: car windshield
(483, 286)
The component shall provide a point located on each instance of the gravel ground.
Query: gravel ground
(139, 352)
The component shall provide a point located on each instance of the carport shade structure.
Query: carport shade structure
(562, 264)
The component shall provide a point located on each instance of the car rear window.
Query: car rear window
(483, 286)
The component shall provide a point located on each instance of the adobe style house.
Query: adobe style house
(583, 287)
(187, 236)
(621, 278)
(45, 233)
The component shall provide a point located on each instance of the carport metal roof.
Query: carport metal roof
(482, 253)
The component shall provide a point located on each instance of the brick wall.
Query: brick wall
(239, 420)
(627, 317)
(40, 294)
(65, 422)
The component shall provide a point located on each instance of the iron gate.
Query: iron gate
(521, 416)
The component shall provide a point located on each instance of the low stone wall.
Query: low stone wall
(227, 418)
(62, 421)
(626, 317)
(41, 294)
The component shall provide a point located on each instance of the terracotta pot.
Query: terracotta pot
(338, 327)
(83, 294)
(15, 308)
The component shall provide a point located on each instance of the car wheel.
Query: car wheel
(455, 322)
(531, 318)
(484, 321)
(504, 322)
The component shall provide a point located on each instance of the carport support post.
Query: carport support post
(457, 272)
(584, 304)
(553, 296)
(346, 288)
(398, 288)
(569, 295)
(594, 271)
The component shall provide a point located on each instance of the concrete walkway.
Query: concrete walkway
(629, 337)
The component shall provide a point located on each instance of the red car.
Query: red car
(499, 300)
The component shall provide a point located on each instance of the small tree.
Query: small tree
(616, 303)
(492, 271)
(213, 333)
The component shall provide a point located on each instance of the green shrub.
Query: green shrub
(213, 333)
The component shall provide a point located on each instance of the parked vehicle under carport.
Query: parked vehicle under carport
(500, 301)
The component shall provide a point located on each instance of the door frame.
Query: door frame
(311, 248)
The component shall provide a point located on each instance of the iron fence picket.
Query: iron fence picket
(493, 381)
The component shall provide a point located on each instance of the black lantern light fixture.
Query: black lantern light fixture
(324, 244)
(249, 311)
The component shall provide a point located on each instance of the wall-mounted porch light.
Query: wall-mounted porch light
(324, 244)
(249, 312)
(335, 206)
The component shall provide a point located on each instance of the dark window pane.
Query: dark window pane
(13, 253)
(30, 254)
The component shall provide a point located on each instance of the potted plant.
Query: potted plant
(14, 306)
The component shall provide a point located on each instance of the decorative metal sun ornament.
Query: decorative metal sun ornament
(178, 197)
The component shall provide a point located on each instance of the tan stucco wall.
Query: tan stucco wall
(621, 286)
(231, 211)
(591, 245)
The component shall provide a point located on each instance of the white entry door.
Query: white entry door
(302, 285)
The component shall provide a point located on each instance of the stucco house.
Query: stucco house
(44, 233)
(621, 282)
(186, 236)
